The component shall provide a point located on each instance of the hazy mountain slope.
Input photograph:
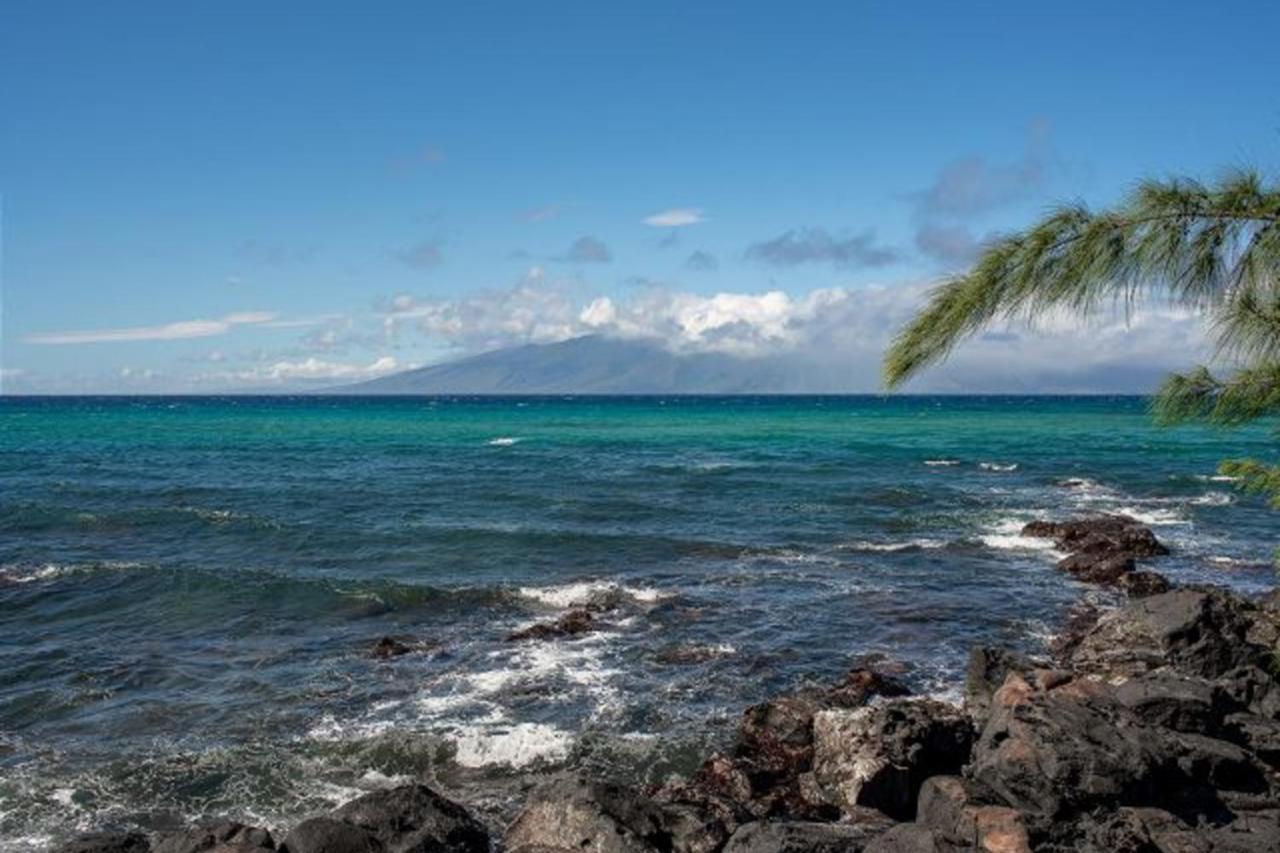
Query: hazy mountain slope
(598, 365)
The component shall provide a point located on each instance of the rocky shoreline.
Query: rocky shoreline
(1152, 727)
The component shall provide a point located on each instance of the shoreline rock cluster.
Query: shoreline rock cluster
(1152, 728)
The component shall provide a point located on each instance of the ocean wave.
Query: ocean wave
(580, 593)
(1006, 535)
(941, 463)
(503, 441)
(1213, 499)
(519, 745)
(1153, 517)
(1002, 467)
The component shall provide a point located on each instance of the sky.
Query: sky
(212, 197)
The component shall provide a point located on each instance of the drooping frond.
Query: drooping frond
(1244, 396)
(1255, 477)
(1208, 247)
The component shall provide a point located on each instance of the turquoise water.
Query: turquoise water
(189, 588)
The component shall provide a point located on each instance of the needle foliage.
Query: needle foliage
(1211, 247)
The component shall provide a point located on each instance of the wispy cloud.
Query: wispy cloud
(165, 332)
(817, 245)
(308, 370)
(587, 250)
(540, 214)
(700, 261)
(971, 187)
(423, 256)
(675, 217)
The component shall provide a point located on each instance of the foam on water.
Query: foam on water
(941, 463)
(1006, 535)
(582, 592)
(998, 466)
(503, 441)
(892, 547)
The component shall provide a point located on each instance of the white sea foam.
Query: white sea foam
(908, 545)
(580, 592)
(941, 463)
(518, 745)
(998, 466)
(503, 441)
(1153, 517)
(1006, 535)
(1213, 499)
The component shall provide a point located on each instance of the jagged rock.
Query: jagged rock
(1259, 734)
(1133, 830)
(986, 671)
(1143, 584)
(1097, 567)
(575, 814)
(1175, 702)
(107, 842)
(327, 835)
(573, 623)
(1194, 632)
(224, 836)
(1115, 534)
(1064, 750)
(962, 814)
(415, 819)
(910, 838)
(805, 837)
(390, 647)
(880, 755)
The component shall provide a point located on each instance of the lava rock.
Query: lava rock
(575, 814)
(415, 819)
(963, 814)
(573, 623)
(910, 838)
(390, 647)
(985, 673)
(1099, 567)
(326, 835)
(880, 755)
(804, 837)
(107, 842)
(225, 836)
(1193, 631)
(1143, 584)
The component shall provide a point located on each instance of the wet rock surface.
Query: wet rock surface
(1153, 728)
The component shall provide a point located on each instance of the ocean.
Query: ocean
(190, 587)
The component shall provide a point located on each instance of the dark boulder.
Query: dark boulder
(415, 819)
(327, 835)
(1195, 632)
(879, 756)
(805, 837)
(1143, 584)
(225, 836)
(1112, 534)
(962, 813)
(986, 671)
(1097, 567)
(1259, 734)
(575, 814)
(390, 647)
(1050, 753)
(1130, 830)
(107, 842)
(1176, 702)
(573, 623)
(911, 838)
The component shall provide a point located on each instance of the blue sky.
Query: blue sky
(209, 196)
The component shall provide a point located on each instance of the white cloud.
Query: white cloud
(167, 332)
(675, 217)
(306, 370)
(843, 331)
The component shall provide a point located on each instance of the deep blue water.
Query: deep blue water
(189, 588)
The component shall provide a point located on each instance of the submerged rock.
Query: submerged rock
(390, 647)
(573, 623)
